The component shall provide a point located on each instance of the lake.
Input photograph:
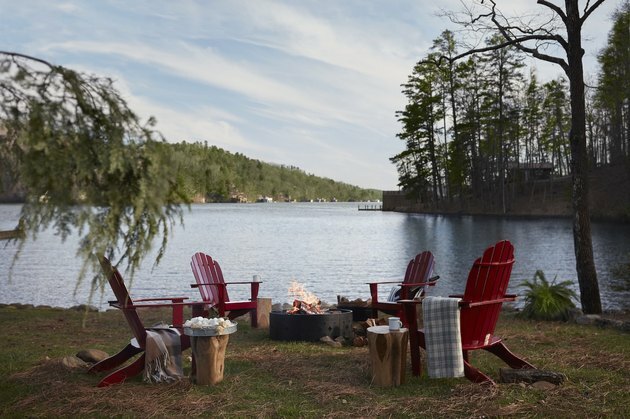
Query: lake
(331, 248)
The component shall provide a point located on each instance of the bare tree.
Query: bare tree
(537, 37)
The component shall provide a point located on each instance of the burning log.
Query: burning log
(302, 307)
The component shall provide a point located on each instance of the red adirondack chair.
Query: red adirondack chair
(213, 289)
(137, 344)
(480, 307)
(417, 278)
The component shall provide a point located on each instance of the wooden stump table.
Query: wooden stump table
(208, 351)
(388, 354)
(262, 313)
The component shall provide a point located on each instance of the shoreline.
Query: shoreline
(614, 319)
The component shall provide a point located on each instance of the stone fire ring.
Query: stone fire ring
(310, 327)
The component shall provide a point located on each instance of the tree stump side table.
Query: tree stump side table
(388, 354)
(208, 352)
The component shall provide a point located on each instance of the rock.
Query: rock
(587, 319)
(74, 363)
(328, 340)
(92, 355)
(543, 385)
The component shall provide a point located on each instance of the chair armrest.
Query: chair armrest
(243, 282)
(414, 302)
(224, 283)
(384, 282)
(469, 304)
(160, 299)
(197, 285)
(456, 296)
(222, 287)
(430, 282)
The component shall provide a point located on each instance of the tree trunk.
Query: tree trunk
(587, 276)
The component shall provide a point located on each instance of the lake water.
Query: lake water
(332, 248)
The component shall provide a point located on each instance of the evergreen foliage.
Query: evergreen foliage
(86, 162)
(220, 176)
(485, 117)
(546, 300)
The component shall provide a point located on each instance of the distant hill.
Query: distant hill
(211, 174)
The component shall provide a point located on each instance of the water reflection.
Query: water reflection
(332, 248)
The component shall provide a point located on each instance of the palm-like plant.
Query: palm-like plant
(546, 300)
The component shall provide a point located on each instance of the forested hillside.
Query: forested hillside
(215, 175)
(206, 173)
(475, 130)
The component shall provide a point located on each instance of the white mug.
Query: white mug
(394, 324)
(256, 278)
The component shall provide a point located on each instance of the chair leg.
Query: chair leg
(115, 360)
(119, 376)
(416, 338)
(508, 357)
(253, 315)
(474, 375)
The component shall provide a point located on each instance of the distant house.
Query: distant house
(526, 172)
(264, 199)
(239, 197)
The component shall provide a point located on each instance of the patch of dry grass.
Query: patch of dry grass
(264, 378)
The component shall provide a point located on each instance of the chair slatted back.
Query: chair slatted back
(125, 303)
(419, 270)
(488, 280)
(207, 271)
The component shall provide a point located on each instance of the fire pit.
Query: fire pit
(310, 327)
(307, 321)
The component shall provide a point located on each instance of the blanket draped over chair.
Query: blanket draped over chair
(163, 359)
(442, 336)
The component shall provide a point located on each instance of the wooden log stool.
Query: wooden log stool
(208, 352)
(388, 353)
(262, 312)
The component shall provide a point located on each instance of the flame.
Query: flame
(298, 292)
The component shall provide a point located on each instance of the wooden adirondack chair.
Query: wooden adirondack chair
(417, 278)
(137, 344)
(480, 307)
(213, 289)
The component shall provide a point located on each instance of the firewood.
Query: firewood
(509, 375)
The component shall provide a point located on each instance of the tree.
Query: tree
(87, 163)
(535, 39)
(502, 77)
(614, 84)
(419, 120)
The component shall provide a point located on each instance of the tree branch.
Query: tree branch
(555, 8)
(516, 42)
(588, 11)
(28, 57)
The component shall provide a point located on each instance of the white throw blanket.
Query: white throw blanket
(442, 337)
(163, 355)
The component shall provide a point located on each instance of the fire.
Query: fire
(304, 302)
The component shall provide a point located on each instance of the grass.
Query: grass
(265, 378)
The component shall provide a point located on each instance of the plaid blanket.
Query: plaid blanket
(442, 337)
(163, 355)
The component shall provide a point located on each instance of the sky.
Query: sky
(312, 84)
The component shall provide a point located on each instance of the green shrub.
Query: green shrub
(547, 301)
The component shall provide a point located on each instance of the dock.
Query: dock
(10, 234)
(371, 207)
